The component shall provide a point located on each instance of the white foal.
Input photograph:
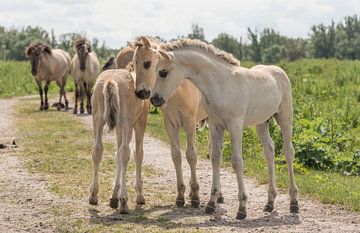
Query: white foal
(234, 97)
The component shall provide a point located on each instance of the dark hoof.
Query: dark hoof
(210, 208)
(294, 207)
(180, 203)
(114, 203)
(241, 215)
(220, 200)
(195, 203)
(75, 111)
(93, 200)
(269, 207)
(124, 209)
(140, 200)
(82, 111)
(46, 107)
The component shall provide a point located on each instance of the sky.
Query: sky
(119, 21)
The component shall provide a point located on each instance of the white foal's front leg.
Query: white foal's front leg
(235, 130)
(269, 153)
(217, 139)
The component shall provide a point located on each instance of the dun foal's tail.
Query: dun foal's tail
(111, 103)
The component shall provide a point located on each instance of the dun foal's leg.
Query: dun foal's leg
(59, 83)
(122, 159)
(98, 126)
(285, 122)
(173, 133)
(46, 89)
(62, 89)
(191, 156)
(114, 199)
(41, 95)
(140, 127)
(82, 93)
(217, 139)
(76, 97)
(268, 148)
(235, 130)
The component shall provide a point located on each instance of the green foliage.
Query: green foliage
(197, 32)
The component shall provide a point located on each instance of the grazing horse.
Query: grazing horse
(183, 109)
(84, 68)
(48, 65)
(123, 58)
(234, 97)
(115, 103)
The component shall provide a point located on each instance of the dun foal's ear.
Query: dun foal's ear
(131, 45)
(145, 41)
(89, 48)
(164, 55)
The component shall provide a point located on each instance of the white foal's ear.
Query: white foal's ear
(164, 55)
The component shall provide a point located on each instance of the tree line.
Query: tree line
(341, 40)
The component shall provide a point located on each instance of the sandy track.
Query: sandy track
(25, 199)
(313, 217)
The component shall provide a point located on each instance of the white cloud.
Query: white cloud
(117, 21)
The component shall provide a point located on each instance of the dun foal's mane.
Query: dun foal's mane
(200, 45)
(155, 42)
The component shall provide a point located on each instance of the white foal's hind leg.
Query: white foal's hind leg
(191, 156)
(114, 199)
(98, 125)
(285, 122)
(235, 130)
(140, 127)
(269, 153)
(173, 133)
(217, 140)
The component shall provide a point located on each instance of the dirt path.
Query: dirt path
(26, 202)
(25, 199)
(314, 216)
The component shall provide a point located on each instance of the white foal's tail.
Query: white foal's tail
(111, 103)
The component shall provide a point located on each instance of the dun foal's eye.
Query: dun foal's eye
(163, 73)
(147, 64)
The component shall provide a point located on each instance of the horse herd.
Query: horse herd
(189, 80)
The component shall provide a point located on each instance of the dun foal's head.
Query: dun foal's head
(145, 59)
(83, 48)
(168, 77)
(34, 52)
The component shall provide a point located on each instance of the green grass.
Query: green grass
(16, 80)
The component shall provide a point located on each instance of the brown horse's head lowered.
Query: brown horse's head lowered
(33, 52)
(83, 48)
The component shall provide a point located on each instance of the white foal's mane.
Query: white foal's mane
(200, 45)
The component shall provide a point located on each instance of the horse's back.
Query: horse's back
(124, 57)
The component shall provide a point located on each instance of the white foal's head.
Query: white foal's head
(169, 76)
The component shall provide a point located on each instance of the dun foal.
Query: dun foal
(115, 103)
(84, 68)
(184, 109)
(234, 97)
(48, 65)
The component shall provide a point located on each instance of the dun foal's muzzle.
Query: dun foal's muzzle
(157, 101)
(143, 94)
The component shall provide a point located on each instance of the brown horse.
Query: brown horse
(84, 68)
(48, 65)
